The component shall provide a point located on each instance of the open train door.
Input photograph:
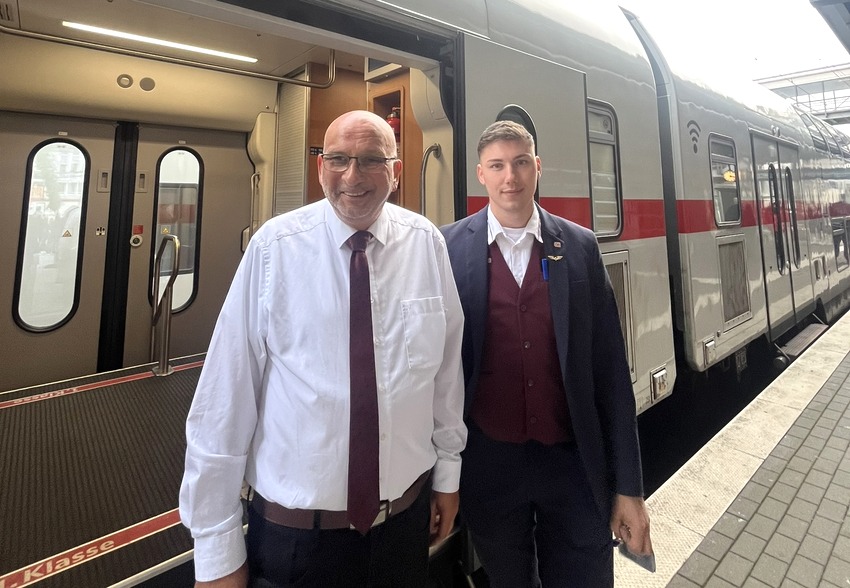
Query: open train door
(554, 97)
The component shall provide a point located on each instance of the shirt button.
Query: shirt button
(383, 436)
(526, 344)
(523, 307)
(533, 420)
(530, 383)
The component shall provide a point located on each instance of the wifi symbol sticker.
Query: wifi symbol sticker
(694, 131)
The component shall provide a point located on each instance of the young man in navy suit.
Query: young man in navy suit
(552, 464)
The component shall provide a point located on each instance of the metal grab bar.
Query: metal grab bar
(437, 151)
(162, 307)
(255, 190)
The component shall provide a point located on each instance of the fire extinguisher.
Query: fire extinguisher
(394, 120)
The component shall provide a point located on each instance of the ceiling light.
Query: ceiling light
(160, 42)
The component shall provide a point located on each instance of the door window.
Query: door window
(177, 212)
(724, 181)
(49, 253)
(792, 209)
(604, 170)
(776, 209)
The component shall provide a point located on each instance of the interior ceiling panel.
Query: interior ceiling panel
(275, 55)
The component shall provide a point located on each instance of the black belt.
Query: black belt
(304, 518)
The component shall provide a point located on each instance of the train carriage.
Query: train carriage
(577, 76)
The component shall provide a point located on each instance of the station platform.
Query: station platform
(765, 502)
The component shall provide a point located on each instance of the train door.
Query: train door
(58, 180)
(184, 176)
(54, 199)
(775, 235)
(796, 231)
(552, 96)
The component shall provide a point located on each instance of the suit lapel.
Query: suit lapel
(555, 252)
(477, 275)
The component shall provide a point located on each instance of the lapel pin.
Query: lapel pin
(555, 257)
(557, 244)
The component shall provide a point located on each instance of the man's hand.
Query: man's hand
(630, 523)
(238, 579)
(443, 512)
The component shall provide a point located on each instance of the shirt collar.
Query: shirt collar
(494, 227)
(340, 232)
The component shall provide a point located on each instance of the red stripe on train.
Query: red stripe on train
(66, 560)
(87, 387)
(643, 219)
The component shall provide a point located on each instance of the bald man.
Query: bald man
(274, 400)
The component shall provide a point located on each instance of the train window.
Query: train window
(177, 209)
(724, 181)
(604, 170)
(792, 207)
(817, 137)
(51, 248)
(830, 135)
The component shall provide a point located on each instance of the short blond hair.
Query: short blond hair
(505, 130)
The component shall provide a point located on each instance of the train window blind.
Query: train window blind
(177, 210)
(724, 181)
(50, 251)
(604, 170)
(735, 295)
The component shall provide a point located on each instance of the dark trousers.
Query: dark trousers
(393, 554)
(532, 517)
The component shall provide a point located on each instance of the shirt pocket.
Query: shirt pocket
(424, 322)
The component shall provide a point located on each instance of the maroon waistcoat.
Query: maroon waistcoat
(520, 394)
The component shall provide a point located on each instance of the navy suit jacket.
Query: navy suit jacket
(589, 340)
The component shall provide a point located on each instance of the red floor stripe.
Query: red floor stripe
(53, 565)
(91, 386)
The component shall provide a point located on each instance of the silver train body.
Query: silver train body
(718, 207)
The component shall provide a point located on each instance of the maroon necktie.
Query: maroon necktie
(363, 492)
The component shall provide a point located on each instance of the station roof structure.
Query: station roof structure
(836, 13)
(825, 91)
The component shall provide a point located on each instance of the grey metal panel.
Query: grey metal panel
(225, 211)
(71, 350)
(530, 83)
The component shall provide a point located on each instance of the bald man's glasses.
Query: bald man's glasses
(368, 164)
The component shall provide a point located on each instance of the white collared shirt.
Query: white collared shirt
(272, 403)
(515, 244)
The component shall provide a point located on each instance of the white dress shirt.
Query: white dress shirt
(515, 244)
(272, 403)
